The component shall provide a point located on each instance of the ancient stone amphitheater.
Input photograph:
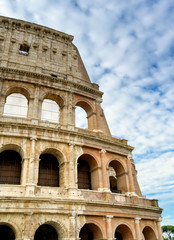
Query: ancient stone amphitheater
(57, 180)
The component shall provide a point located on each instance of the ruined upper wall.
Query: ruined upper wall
(31, 47)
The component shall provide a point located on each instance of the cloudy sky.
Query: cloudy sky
(128, 49)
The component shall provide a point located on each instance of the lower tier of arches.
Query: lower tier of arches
(47, 226)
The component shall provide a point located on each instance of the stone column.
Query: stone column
(24, 172)
(72, 174)
(72, 224)
(160, 237)
(64, 174)
(28, 225)
(109, 231)
(69, 111)
(30, 187)
(36, 171)
(137, 228)
(33, 106)
(130, 175)
(32, 160)
(2, 104)
(105, 176)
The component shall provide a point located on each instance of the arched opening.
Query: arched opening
(6, 233)
(123, 232)
(117, 177)
(90, 231)
(10, 167)
(81, 118)
(50, 111)
(16, 106)
(84, 175)
(88, 172)
(84, 112)
(48, 170)
(149, 233)
(45, 232)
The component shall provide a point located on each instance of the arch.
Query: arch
(50, 111)
(123, 232)
(88, 167)
(86, 106)
(20, 90)
(6, 232)
(13, 147)
(16, 105)
(10, 167)
(148, 233)
(56, 153)
(117, 177)
(81, 118)
(48, 170)
(15, 229)
(56, 98)
(46, 231)
(58, 226)
(90, 231)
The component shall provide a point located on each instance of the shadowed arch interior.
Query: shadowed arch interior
(84, 175)
(46, 232)
(90, 231)
(48, 170)
(117, 177)
(6, 233)
(149, 233)
(88, 176)
(10, 167)
(123, 232)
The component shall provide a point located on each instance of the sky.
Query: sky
(128, 49)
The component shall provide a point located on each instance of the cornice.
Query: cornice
(61, 79)
(70, 201)
(87, 136)
(21, 25)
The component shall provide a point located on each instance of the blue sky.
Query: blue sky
(128, 49)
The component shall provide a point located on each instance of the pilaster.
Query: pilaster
(130, 175)
(160, 236)
(105, 176)
(137, 228)
(109, 230)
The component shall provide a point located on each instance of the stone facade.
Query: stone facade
(41, 63)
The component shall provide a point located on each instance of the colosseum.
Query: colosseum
(59, 180)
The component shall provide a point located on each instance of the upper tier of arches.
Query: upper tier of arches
(48, 106)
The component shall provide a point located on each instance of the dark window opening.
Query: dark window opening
(45, 232)
(118, 236)
(113, 184)
(6, 233)
(24, 49)
(10, 167)
(48, 171)
(86, 233)
(84, 175)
